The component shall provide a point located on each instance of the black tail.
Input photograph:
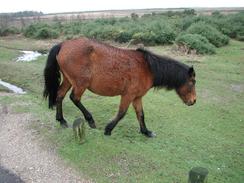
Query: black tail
(52, 76)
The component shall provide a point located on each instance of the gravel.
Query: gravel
(22, 154)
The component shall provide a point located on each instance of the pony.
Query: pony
(110, 71)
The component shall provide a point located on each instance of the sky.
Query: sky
(54, 6)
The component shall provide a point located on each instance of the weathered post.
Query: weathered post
(79, 130)
(198, 175)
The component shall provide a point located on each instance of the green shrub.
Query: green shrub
(189, 20)
(155, 33)
(46, 33)
(68, 37)
(189, 12)
(216, 13)
(240, 35)
(123, 36)
(230, 25)
(153, 29)
(212, 34)
(9, 31)
(165, 33)
(30, 30)
(196, 42)
(147, 38)
(236, 24)
(41, 31)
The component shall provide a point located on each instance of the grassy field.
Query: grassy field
(209, 134)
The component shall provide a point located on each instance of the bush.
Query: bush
(30, 30)
(212, 34)
(155, 33)
(151, 29)
(236, 25)
(123, 36)
(41, 31)
(46, 33)
(189, 12)
(240, 35)
(9, 31)
(230, 25)
(165, 33)
(147, 38)
(189, 20)
(196, 42)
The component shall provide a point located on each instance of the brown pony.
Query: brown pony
(110, 71)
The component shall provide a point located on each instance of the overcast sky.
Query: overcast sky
(51, 6)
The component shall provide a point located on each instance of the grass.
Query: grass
(3, 89)
(209, 134)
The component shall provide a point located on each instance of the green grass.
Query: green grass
(209, 134)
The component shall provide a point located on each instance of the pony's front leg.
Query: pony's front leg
(124, 104)
(137, 104)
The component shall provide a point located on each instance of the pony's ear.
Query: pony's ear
(191, 72)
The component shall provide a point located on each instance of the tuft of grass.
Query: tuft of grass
(3, 89)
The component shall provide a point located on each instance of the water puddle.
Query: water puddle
(28, 56)
(11, 87)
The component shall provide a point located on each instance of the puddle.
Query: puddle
(28, 56)
(237, 88)
(11, 87)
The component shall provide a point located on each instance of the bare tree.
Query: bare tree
(22, 21)
(4, 21)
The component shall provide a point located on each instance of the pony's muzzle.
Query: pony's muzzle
(190, 103)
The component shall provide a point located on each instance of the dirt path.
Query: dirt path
(22, 156)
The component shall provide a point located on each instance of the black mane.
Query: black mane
(167, 72)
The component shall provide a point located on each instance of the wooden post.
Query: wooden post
(79, 130)
(198, 175)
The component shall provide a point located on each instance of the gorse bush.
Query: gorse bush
(149, 29)
(41, 31)
(230, 25)
(154, 34)
(46, 33)
(212, 34)
(30, 30)
(195, 42)
(8, 31)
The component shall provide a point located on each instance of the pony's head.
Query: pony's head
(171, 74)
(187, 90)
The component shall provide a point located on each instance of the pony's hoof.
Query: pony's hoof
(92, 125)
(149, 134)
(64, 124)
(108, 133)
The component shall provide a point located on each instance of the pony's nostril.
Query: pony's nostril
(194, 101)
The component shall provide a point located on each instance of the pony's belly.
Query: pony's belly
(105, 91)
(107, 88)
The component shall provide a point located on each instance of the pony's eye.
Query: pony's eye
(191, 83)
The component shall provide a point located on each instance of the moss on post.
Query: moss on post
(198, 175)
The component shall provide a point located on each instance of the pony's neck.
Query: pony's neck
(167, 73)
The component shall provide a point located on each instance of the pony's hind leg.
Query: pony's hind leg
(137, 104)
(75, 97)
(63, 89)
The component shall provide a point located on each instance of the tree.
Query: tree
(134, 16)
